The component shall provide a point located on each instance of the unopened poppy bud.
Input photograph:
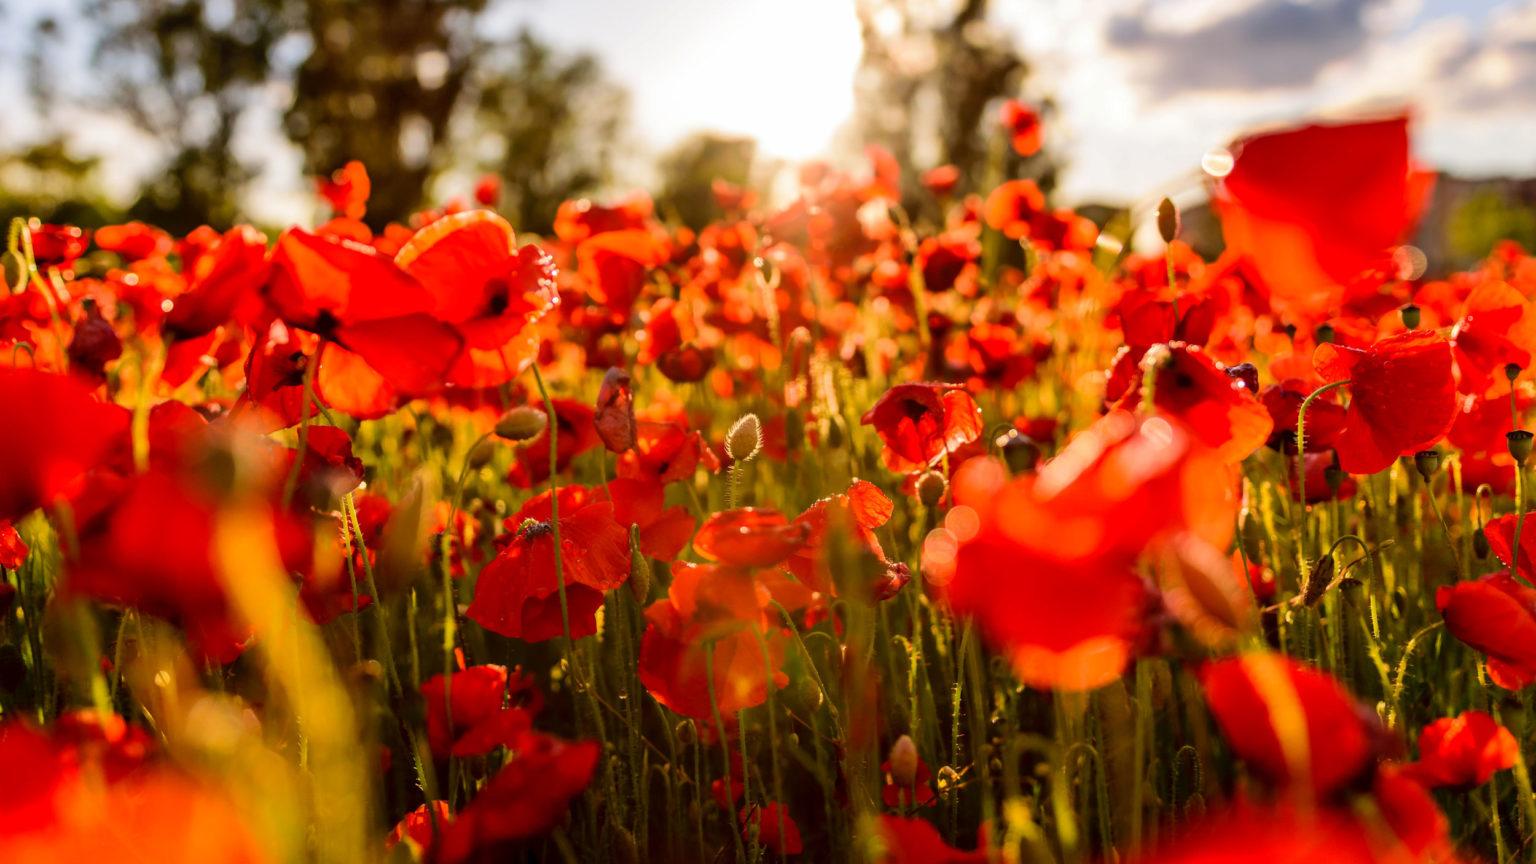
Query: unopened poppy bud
(522, 424)
(639, 567)
(1428, 462)
(1167, 220)
(685, 733)
(1411, 316)
(765, 267)
(1512, 371)
(930, 488)
(1519, 442)
(745, 439)
(1480, 545)
(1019, 451)
(903, 758)
(1246, 373)
(1323, 334)
(1318, 580)
(481, 455)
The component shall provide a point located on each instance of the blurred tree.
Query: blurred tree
(689, 170)
(1482, 220)
(548, 124)
(397, 84)
(380, 84)
(929, 74)
(46, 181)
(186, 72)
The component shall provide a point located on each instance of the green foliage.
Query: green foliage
(1484, 219)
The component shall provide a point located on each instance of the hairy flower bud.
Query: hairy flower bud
(522, 424)
(745, 439)
(930, 488)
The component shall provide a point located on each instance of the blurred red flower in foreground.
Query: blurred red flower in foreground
(90, 797)
(54, 433)
(1315, 207)
(1289, 722)
(920, 424)
(1402, 397)
(1463, 751)
(1046, 563)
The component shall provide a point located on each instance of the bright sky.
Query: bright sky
(1144, 86)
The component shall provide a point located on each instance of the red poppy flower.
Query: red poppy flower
(13, 549)
(1497, 616)
(488, 190)
(517, 595)
(749, 537)
(615, 265)
(1492, 332)
(666, 452)
(55, 432)
(578, 219)
(774, 827)
(664, 531)
(1291, 723)
(224, 281)
(478, 719)
(57, 245)
(1285, 834)
(718, 617)
(346, 190)
(1014, 207)
(420, 826)
(1188, 384)
(920, 423)
(65, 801)
(134, 240)
(381, 341)
(1402, 397)
(1311, 226)
(1046, 563)
(1022, 123)
(1325, 416)
(1463, 751)
(527, 798)
(941, 181)
(492, 292)
(916, 841)
(1318, 486)
(861, 510)
(945, 259)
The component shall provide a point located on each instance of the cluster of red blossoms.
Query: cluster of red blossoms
(645, 542)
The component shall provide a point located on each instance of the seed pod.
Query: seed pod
(1519, 444)
(1428, 462)
(1167, 220)
(522, 424)
(1512, 371)
(1323, 334)
(745, 439)
(481, 455)
(1480, 543)
(1019, 451)
(1411, 316)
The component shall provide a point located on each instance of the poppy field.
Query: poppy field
(882, 524)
